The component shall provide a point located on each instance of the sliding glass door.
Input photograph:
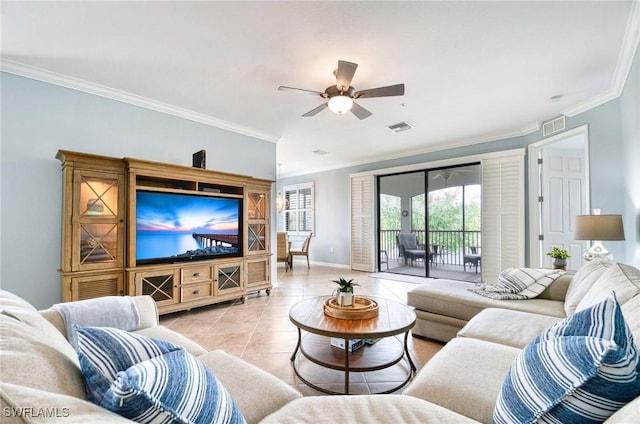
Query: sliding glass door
(454, 216)
(402, 224)
(430, 222)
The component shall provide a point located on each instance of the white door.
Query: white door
(563, 197)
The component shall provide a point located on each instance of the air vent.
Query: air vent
(399, 127)
(553, 126)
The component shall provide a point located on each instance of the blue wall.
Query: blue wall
(630, 115)
(40, 118)
(614, 148)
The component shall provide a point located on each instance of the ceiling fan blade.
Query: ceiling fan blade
(314, 112)
(391, 90)
(359, 111)
(302, 91)
(344, 74)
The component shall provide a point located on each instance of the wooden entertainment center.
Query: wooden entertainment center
(99, 233)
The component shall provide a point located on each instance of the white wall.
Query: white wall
(40, 118)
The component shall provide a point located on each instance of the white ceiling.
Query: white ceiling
(474, 71)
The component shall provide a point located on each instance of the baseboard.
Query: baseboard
(327, 264)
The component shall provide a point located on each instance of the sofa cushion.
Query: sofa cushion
(173, 387)
(509, 328)
(30, 342)
(267, 394)
(582, 281)
(454, 299)
(582, 368)
(631, 313)
(9, 300)
(167, 334)
(627, 414)
(622, 279)
(465, 376)
(364, 409)
(21, 404)
(103, 352)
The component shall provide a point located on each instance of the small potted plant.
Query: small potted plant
(559, 257)
(344, 293)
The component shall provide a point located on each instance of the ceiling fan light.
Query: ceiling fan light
(340, 104)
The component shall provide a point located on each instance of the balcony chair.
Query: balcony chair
(473, 257)
(282, 250)
(303, 251)
(436, 251)
(384, 259)
(409, 247)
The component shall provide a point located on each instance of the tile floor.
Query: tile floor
(259, 331)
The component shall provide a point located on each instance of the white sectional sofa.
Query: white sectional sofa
(41, 380)
(443, 307)
(468, 373)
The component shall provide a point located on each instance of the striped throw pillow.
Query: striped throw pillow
(172, 388)
(150, 380)
(582, 369)
(103, 352)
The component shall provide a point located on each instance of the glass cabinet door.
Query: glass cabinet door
(98, 222)
(257, 211)
(257, 237)
(228, 278)
(160, 285)
(257, 205)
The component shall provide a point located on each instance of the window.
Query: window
(298, 217)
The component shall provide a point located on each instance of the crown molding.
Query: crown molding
(66, 81)
(628, 50)
(531, 128)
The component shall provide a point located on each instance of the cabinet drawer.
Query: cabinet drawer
(195, 291)
(196, 273)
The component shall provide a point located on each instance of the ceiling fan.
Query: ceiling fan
(342, 95)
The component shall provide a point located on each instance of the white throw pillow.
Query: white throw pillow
(622, 279)
(580, 284)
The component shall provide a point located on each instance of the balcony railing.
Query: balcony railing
(455, 243)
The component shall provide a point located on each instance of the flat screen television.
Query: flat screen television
(176, 227)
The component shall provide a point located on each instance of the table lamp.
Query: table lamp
(596, 228)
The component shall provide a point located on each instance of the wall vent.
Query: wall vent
(553, 126)
(399, 127)
(320, 152)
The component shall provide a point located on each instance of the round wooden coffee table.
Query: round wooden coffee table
(393, 318)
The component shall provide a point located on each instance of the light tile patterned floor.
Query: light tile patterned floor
(259, 331)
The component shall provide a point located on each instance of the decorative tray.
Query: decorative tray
(363, 308)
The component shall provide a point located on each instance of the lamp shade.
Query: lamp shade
(598, 227)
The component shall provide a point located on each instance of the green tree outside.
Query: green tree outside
(389, 212)
(445, 214)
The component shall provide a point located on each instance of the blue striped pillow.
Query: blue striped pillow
(582, 369)
(174, 387)
(103, 352)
